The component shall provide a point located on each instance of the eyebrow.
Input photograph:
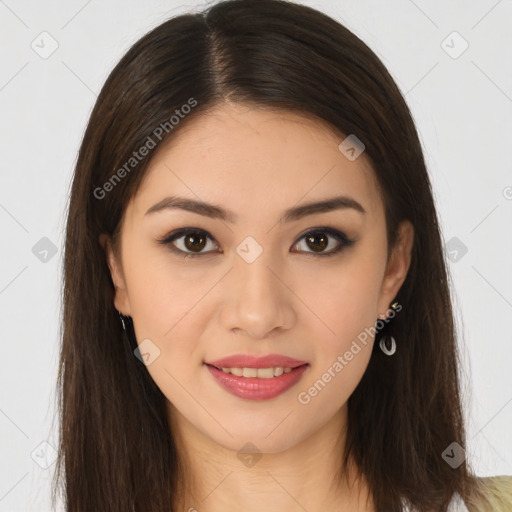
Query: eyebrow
(292, 214)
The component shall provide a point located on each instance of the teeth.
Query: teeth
(261, 373)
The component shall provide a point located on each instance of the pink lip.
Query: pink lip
(253, 388)
(248, 361)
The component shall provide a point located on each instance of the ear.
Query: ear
(121, 302)
(398, 266)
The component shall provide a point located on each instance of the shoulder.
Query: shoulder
(492, 493)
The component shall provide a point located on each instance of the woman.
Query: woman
(256, 304)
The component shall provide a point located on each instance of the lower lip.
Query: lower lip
(254, 388)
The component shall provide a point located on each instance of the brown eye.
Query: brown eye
(317, 241)
(189, 242)
(195, 242)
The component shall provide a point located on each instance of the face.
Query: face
(302, 286)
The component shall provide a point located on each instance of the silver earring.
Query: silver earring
(388, 345)
(124, 320)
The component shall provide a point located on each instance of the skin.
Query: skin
(291, 301)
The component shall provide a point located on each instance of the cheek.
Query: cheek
(168, 304)
(340, 359)
(163, 290)
(343, 351)
(346, 299)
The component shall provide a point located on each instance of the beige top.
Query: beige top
(492, 494)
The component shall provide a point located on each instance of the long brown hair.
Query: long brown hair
(116, 448)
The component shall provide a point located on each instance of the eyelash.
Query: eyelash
(334, 233)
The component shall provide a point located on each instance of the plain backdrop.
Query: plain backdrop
(452, 62)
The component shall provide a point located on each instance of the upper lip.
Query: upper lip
(248, 361)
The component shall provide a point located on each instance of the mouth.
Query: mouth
(257, 383)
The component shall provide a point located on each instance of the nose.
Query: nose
(257, 300)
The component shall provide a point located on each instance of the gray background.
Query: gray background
(461, 102)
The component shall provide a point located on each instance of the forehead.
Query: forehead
(254, 159)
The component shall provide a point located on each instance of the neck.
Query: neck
(309, 475)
